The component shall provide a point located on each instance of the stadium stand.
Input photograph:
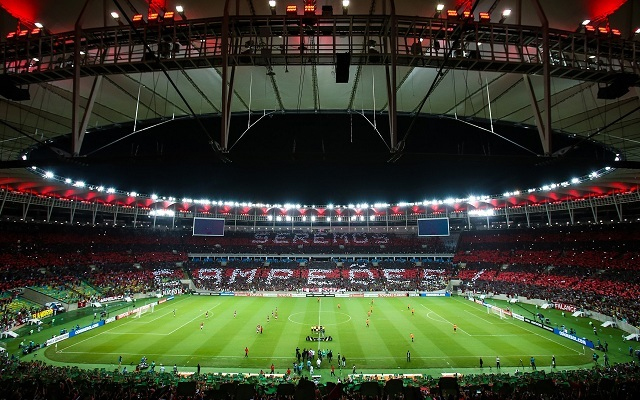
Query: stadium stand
(582, 266)
(38, 380)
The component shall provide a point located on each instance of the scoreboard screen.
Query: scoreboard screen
(433, 227)
(208, 226)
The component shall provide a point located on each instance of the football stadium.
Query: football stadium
(320, 199)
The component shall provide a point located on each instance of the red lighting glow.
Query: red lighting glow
(309, 9)
(292, 10)
(601, 8)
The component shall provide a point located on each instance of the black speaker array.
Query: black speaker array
(343, 61)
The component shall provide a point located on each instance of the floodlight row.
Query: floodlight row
(80, 184)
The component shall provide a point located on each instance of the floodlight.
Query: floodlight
(440, 7)
(586, 22)
(309, 9)
(111, 190)
(272, 3)
(68, 180)
(154, 197)
(180, 10)
(345, 7)
(100, 188)
(115, 15)
(133, 194)
(39, 25)
(505, 14)
(79, 184)
(48, 174)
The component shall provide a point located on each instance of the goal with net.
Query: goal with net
(144, 309)
(497, 311)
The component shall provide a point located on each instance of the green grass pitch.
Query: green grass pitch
(381, 347)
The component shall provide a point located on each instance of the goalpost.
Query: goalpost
(144, 310)
(497, 311)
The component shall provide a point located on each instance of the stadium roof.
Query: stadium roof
(289, 97)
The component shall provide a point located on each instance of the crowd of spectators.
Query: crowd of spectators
(15, 311)
(595, 267)
(36, 380)
(318, 243)
(320, 275)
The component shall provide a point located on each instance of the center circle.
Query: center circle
(311, 319)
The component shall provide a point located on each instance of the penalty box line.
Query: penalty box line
(532, 332)
(108, 331)
(444, 319)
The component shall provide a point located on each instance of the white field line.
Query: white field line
(108, 331)
(289, 358)
(443, 319)
(535, 333)
(190, 321)
(484, 319)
